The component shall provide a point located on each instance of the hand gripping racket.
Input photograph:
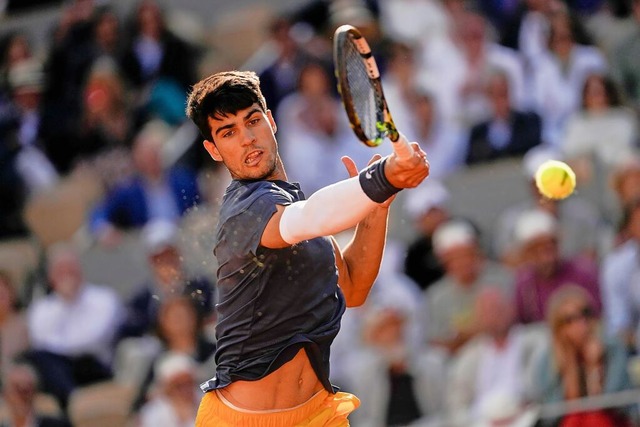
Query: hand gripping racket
(361, 91)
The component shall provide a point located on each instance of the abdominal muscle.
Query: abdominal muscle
(292, 384)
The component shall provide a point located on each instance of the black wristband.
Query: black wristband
(375, 184)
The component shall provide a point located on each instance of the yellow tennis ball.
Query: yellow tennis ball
(555, 179)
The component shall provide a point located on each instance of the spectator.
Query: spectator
(497, 362)
(578, 362)
(154, 192)
(23, 130)
(169, 279)
(508, 132)
(427, 208)
(19, 389)
(626, 63)
(559, 76)
(446, 145)
(69, 59)
(458, 79)
(154, 52)
(449, 301)
(175, 401)
(528, 31)
(620, 270)
(278, 79)
(315, 133)
(180, 331)
(72, 329)
(542, 270)
(625, 181)
(14, 334)
(408, 386)
(14, 48)
(603, 130)
(106, 122)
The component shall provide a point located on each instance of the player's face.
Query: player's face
(246, 143)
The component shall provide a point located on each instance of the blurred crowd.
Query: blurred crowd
(468, 324)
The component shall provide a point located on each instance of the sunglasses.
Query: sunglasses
(585, 313)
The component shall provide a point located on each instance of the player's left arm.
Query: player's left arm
(359, 261)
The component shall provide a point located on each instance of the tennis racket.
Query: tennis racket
(361, 91)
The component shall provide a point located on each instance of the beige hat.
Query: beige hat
(532, 224)
(27, 74)
(452, 234)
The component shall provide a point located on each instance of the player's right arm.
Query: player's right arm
(342, 205)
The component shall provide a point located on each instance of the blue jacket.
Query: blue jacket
(126, 206)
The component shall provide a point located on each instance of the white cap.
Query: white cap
(420, 200)
(453, 234)
(158, 235)
(173, 364)
(532, 224)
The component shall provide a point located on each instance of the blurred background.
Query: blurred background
(494, 305)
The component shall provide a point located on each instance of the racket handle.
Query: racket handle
(402, 148)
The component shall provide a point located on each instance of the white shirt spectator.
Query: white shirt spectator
(84, 326)
(558, 87)
(620, 278)
(609, 135)
(413, 20)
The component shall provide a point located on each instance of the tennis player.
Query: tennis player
(283, 282)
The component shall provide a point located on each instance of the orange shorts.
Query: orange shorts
(322, 410)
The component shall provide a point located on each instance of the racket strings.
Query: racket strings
(363, 93)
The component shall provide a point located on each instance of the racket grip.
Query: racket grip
(402, 148)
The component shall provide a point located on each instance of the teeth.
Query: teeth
(252, 157)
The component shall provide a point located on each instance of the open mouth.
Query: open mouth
(253, 158)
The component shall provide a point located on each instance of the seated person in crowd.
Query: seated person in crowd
(449, 301)
(625, 181)
(14, 333)
(179, 331)
(175, 399)
(497, 362)
(410, 378)
(543, 270)
(426, 206)
(507, 133)
(19, 390)
(579, 363)
(620, 281)
(169, 279)
(154, 192)
(72, 329)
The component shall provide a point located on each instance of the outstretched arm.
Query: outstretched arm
(344, 204)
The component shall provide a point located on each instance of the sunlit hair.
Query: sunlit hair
(222, 94)
(559, 298)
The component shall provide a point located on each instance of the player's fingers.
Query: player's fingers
(350, 165)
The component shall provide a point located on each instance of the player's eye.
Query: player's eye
(254, 121)
(228, 134)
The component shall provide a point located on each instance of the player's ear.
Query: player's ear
(272, 122)
(212, 150)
